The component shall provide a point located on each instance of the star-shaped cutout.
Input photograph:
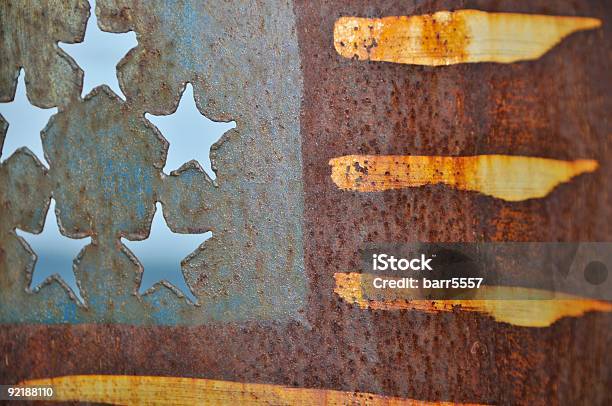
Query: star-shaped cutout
(99, 54)
(189, 133)
(55, 253)
(25, 123)
(161, 254)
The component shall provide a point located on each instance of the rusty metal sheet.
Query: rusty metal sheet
(518, 109)
(282, 229)
(30, 32)
(105, 172)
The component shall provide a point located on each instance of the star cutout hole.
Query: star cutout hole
(55, 254)
(99, 54)
(25, 121)
(189, 133)
(162, 252)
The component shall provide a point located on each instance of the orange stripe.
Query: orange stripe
(446, 38)
(158, 390)
(514, 305)
(506, 177)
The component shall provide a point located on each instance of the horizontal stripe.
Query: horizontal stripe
(531, 308)
(507, 177)
(158, 390)
(446, 38)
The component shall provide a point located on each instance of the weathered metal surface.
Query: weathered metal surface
(105, 172)
(555, 107)
(508, 177)
(29, 32)
(248, 69)
(176, 391)
(252, 267)
(451, 37)
(518, 306)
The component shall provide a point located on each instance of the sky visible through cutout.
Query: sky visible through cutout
(99, 54)
(189, 133)
(161, 254)
(55, 252)
(25, 121)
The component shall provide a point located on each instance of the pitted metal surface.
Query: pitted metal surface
(30, 32)
(106, 158)
(282, 229)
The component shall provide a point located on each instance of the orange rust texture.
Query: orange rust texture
(429, 38)
(511, 223)
(511, 178)
(518, 306)
(158, 390)
(446, 38)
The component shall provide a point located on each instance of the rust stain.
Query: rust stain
(158, 390)
(452, 37)
(518, 306)
(507, 177)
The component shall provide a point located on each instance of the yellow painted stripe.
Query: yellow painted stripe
(506, 177)
(451, 37)
(531, 308)
(159, 390)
